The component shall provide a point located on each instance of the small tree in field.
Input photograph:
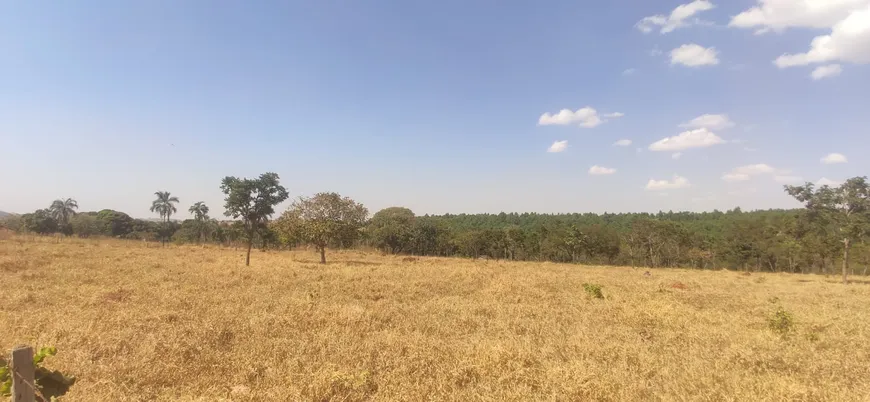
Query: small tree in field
(844, 209)
(392, 229)
(252, 200)
(200, 216)
(164, 206)
(62, 211)
(323, 219)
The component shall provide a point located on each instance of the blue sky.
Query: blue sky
(437, 106)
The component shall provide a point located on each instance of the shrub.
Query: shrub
(593, 290)
(781, 321)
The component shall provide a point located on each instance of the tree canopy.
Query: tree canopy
(326, 218)
(253, 201)
(842, 211)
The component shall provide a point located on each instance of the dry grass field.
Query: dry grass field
(190, 323)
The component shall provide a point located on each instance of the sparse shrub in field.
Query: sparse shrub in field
(781, 321)
(593, 290)
(51, 384)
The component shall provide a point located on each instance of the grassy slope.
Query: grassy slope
(187, 323)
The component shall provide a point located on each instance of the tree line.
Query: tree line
(831, 229)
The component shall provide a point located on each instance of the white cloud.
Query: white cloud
(647, 24)
(824, 181)
(585, 117)
(735, 177)
(699, 138)
(848, 41)
(777, 15)
(558, 146)
(614, 115)
(788, 179)
(710, 121)
(655, 51)
(599, 170)
(744, 173)
(753, 170)
(834, 158)
(629, 71)
(678, 18)
(830, 70)
(677, 155)
(694, 55)
(622, 143)
(676, 183)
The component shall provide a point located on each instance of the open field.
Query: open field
(191, 323)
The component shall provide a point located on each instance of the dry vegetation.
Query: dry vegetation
(190, 323)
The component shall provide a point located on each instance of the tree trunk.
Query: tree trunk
(846, 261)
(250, 244)
(323, 254)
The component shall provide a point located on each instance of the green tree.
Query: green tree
(843, 208)
(164, 206)
(324, 219)
(40, 221)
(252, 200)
(85, 225)
(114, 223)
(62, 211)
(200, 217)
(392, 229)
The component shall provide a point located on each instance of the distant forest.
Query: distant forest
(830, 232)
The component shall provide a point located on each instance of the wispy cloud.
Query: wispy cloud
(677, 182)
(834, 158)
(600, 170)
(710, 121)
(831, 70)
(558, 146)
(744, 173)
(693, 55)
(699, 138)
(678, 18)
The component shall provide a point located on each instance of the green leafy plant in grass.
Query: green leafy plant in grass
(593, 290)
(781, 321)
(51, 383)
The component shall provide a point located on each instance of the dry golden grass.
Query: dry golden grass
(190, 323)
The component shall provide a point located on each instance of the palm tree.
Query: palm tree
(62, 210)
(200, 215)
(199, 211)
(163, 205)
